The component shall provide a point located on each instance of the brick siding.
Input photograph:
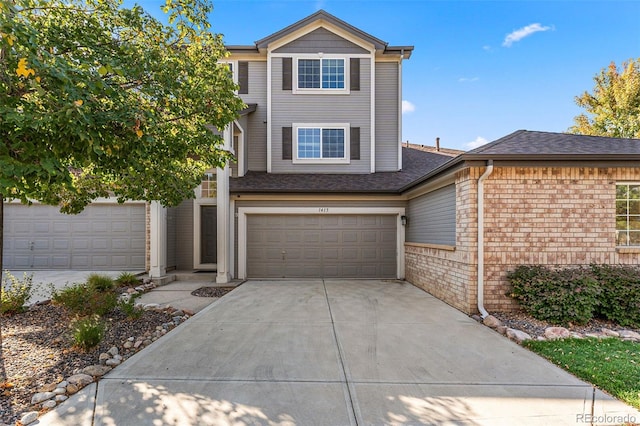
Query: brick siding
(555, 216)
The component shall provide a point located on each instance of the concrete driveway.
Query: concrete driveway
(339, 352)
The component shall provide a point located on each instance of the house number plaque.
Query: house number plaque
(323, 210)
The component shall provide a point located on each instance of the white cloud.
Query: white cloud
(407, 107)
(479, 141)
(487, 48)
(523, 32)
(467, 79)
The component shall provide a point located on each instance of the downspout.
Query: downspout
(485, 175)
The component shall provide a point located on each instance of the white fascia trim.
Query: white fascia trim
(373, 112)
(243, 212)
(269, 95)
(347, 143)
(232, 233)
(197, 232)
(240, 150)
(400, 114)
(101, 200)
(321, 24)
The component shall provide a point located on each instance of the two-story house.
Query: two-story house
(315, 188)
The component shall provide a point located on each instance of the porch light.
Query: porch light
(403, 220)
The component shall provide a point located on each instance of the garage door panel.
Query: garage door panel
(40, 237)
(350, 246)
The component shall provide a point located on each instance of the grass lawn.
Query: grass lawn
(610, 364)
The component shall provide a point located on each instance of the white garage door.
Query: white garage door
(102, 237)
(321, 246)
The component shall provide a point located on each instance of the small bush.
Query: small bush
(101, 283)
(127, 278)
(15, 293)
(130, 309)
(562, 297)
(620, 300)
(81, 299)
(87, 332)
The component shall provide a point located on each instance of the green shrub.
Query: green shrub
(84, 300)
(620, 300)
(15, 293)
(130, 309)
(127, 278)
(559, 296)
(87, 332)
(101, 283)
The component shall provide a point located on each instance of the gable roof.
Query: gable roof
(416, 163)
(530, 145)
(322, 15)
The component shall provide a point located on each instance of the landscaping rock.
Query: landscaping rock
(628, 334)
(96, 370)
(41, 397)
(29, 417)
(49, 404)
(517, 335)
(60, 398)
(127, 345)
(49, 387)
(113, 351)
(59, 391)
(553, 333)
(502, 329)
(476, 317)
(491, 321)
(71, 389)
(81, 380)
(610, 333)
(104, 357)
(112, 362)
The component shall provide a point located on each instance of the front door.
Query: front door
(208, 229)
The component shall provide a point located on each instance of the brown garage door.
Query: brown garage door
(321, 246)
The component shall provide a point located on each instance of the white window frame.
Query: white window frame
(321, 91)
(627, 215)
(234, 70)
(347, 143)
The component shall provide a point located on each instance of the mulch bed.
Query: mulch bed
(211, 291)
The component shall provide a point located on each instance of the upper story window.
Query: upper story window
(326, 143)
(628, 214)
(321, 75)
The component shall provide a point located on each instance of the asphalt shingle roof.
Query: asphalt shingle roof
(536, 144)
(416, 164)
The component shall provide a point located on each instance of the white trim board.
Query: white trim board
(243, 212)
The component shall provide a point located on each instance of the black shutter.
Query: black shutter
(243, 77)
(287, 75)
(354, 143)
(354, 72)
(287, 143)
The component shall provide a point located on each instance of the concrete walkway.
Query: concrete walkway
(349, 352)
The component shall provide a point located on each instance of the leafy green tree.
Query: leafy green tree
(99, 100)
(613, 109)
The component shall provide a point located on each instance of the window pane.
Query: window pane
(333, 73)
(621, 223)
(332, 143)
(622, 192)
(308, 143)
(621, 207)
(634, 223)
(634, 238)
(309, 74)
(634, 206)
(634, 192)
(621, 238)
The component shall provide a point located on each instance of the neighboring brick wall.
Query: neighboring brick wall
(450, 275)
(555, 216)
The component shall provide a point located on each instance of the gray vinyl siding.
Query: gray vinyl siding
(171, 238)
(432, 217)
(387, 117)
(256, 138)
(289, 108)
(320, 40)
(184, 235)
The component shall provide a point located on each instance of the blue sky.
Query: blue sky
(480, 69)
